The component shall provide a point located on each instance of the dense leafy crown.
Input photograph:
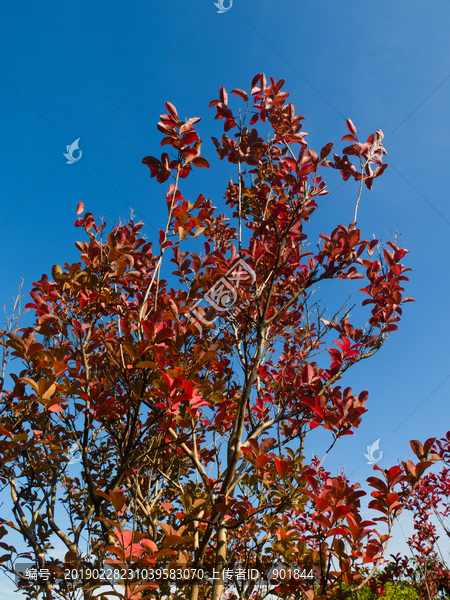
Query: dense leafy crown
(190, 435)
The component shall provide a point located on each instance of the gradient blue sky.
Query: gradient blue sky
(102, 71)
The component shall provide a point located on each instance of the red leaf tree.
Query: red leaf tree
(191, 435)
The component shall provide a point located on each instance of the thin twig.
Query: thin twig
(360, 190)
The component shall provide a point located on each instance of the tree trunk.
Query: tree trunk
(221, 557)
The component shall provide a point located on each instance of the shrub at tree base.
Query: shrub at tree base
(399, 591)
(191, 436)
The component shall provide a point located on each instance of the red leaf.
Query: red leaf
(229, 124)
(223, 95)
(326, 150)
(351, 127)
(254, 444)
(189, 137)
(223, 111)
(168, 379)
(241, 94)
(199, 161)
(337, 531)
(292, 163)
(148, 543)
(164, 334)
(282, 466)
(169, 140)
(417, 448)
(188, 387)
(151, 161)
(255, 79)
(246, 451)
(184, 171)
(171, 108)
(4, 431)
(262, 460)
(80, 208)
(371, 247)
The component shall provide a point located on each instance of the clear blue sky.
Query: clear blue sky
(101, 71)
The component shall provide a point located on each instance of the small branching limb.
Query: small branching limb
(11, 326)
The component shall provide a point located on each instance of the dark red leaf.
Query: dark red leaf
(326, 150)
